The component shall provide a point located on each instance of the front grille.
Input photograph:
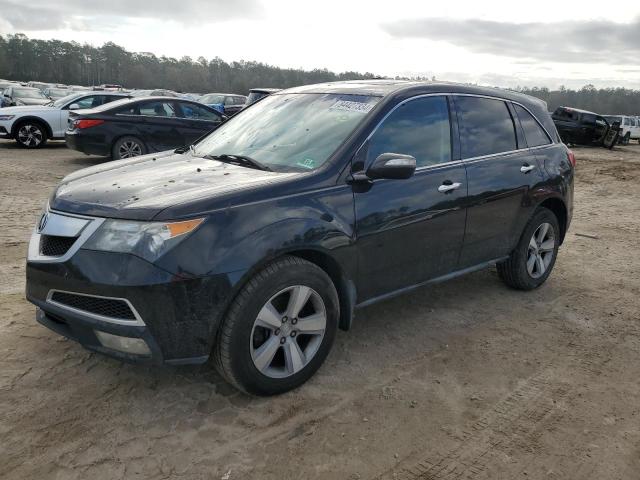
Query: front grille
(106, 307)
(53, 246)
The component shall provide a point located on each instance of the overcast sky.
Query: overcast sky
(544, 43)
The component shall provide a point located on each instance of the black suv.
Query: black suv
(261, 240)
(580, 127)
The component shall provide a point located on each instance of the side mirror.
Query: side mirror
(392, 166)
(74, 106)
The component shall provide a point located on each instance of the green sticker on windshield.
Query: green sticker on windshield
(309, 163)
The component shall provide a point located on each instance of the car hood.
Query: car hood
(24, 109)
(34, 101)
(141, 188)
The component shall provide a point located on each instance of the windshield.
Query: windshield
(140, 93)
(255, 96)
(212, 98)
(59, 92)
(289, 132)
(62, 101)
(27, 93)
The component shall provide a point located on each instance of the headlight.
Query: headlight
(19, 102)
(148, 240)
(6, 117)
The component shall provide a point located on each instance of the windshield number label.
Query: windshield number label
(348, 106)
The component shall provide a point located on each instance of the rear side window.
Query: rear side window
(419, 128)
(486, 126)
(157, 109)
(533, 132)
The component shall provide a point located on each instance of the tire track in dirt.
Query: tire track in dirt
(515, 423)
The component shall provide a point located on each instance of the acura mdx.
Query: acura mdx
(255, 244)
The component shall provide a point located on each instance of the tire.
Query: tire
(626, 139)
(31, 134)
(517, 272)
(242, 351)
(128, 147)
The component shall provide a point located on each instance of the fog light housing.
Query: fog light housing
(132, 346)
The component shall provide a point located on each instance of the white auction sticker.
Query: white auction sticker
(351, 106)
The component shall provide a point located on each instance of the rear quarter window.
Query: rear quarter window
(486, 126)
(533, 132)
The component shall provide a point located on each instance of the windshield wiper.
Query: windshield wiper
(184, 149)
(242, 160)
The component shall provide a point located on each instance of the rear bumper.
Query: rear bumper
(87, 144)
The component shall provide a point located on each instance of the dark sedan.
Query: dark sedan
(133, 127)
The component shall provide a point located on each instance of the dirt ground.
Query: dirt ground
(464, 380)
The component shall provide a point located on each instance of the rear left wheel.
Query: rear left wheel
(531, 262)
(279, 329)
(128, 147)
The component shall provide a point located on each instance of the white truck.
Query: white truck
(629, 126)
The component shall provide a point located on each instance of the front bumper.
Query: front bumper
(176, 316)
(5, 131)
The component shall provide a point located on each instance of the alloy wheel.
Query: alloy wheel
(129, 149)
(288, 331)
(541, 250)
(30, 135)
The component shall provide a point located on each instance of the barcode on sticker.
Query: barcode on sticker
(351, 106)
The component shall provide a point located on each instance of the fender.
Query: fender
(242, 241)
(33, 118)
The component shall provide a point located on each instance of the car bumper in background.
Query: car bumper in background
(89, 144)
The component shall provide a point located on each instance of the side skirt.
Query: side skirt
(443, 278)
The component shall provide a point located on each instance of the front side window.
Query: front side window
(533, 132)
(197, 112)
(486, 126)
(290, 132)
(419, 128)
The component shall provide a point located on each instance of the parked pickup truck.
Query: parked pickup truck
(580, 127)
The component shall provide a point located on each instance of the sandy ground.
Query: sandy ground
(465, 380)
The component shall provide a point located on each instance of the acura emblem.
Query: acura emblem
(43, 221)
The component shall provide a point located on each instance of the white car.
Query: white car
(630, 127)
(32, 125)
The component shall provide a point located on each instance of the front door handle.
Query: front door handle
(527, 168)
(447, 187)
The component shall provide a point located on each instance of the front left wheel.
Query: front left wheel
(30, 134)
(279, 329)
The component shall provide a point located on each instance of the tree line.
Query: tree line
(606, 101)
(72, 63)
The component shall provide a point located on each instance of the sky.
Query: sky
(509, 44)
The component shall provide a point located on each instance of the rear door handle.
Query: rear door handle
(527, 168)
(447, 187)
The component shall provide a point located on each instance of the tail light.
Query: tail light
(571, 157)
(87, 123)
